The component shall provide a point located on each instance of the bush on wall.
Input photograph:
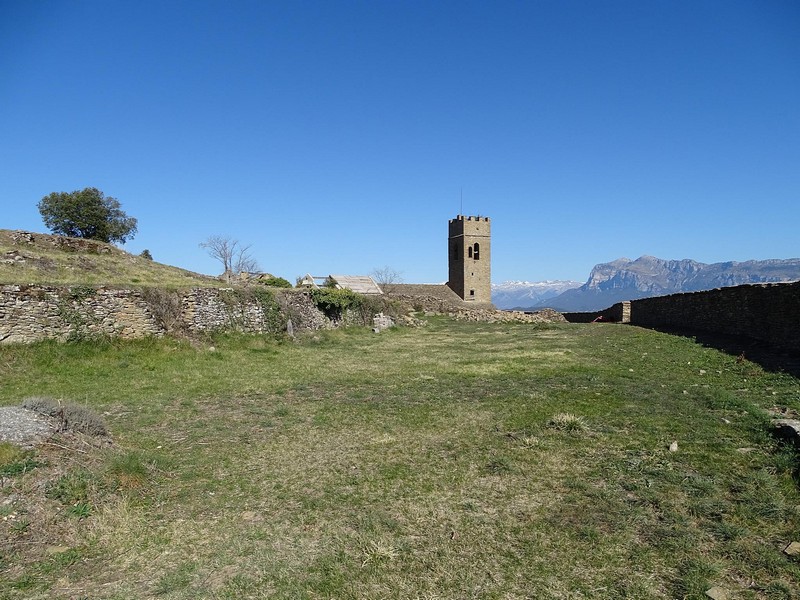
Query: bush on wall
(335, 302)
(346, 305)
(278, 282)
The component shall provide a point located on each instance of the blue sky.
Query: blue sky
(337, 136)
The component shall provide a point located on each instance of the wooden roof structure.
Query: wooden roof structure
(361, 284)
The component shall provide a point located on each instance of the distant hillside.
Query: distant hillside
(51, 259)
(625, 279)
(517, 294)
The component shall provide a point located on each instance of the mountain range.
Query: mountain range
(518, 294)
(626, 279)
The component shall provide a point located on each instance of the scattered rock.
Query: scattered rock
(24, 427)
(381, 322)
(788, 429)
(673, 447)
(792, 549)
(22, 237)
(290, 328)
(717, 593)
(14, 256)
(489, 315)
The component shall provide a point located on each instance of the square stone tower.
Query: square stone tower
(469, 252)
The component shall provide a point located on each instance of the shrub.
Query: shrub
(278, 282)
(334, 302)
(45, 406)
(165, 306)
(72, 416)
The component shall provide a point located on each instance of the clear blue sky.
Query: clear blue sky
(336, 136)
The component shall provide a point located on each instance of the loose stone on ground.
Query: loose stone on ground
(23, 427)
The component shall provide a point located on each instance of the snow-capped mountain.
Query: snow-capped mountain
(520, 294)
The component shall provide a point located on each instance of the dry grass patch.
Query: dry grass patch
(45, 262)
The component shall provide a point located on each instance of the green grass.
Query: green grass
(14, 460)
(452, 461)
(48, 265)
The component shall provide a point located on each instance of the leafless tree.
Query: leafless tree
(234, 256)
(387, 278)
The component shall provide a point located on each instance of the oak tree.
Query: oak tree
(88, 214)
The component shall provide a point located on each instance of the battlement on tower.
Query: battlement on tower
(469, 225)
(469, 218)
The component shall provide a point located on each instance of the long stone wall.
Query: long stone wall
(768, 312)
(765, 312)
(30, 313)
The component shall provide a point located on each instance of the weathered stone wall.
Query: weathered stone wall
(300, 308)
(207, 309)
(440, 299)
(768, 312)
(765, 312)
(619, 313)
(426, 297)
(490, 315)
(30, 313)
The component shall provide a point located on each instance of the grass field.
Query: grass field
(46, 264)
(457, 460)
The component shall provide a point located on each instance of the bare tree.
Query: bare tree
(386, 278)
(234, 256)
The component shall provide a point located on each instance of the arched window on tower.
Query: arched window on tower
(469, 252)
(476, 254)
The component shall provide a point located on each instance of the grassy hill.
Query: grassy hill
(47, 259)
(457, 460)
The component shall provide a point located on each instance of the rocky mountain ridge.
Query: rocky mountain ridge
(626, 279)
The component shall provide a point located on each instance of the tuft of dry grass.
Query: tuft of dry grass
(568, 422)
(377, 552)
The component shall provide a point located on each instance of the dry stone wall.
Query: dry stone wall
(30, 313)
(208, 309)
(767, 312)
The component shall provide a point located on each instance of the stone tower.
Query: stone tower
(469, 252)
